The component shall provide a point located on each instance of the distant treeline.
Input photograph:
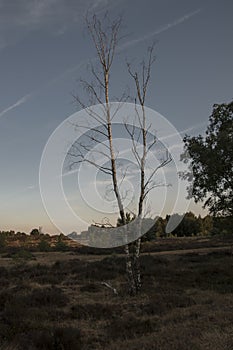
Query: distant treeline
(36, 240)
(191, 225)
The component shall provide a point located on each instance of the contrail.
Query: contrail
(161, 30)
(47, 84)
(16, 104)
(126, 45)
(194, 127)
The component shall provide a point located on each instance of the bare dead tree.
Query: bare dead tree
(105, 40)
(141, 80)
(105, 36)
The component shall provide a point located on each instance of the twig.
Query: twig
(110, 287)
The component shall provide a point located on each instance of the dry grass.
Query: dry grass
(58, 303)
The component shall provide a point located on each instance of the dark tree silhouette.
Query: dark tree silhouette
(212, 162)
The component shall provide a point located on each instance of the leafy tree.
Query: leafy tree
(211, 162)
(35, 232)
(160, 227)
(156, 230)
(189, 226)
(222, 225)
(207, 224)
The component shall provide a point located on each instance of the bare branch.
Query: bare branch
(134, 149)
(90, 111)
(141, 86)
(105, 170)
(105, 222)
(87, 127)
(152, 144)
(161, 165)
(155, 186)
(110, 287)
(97, 77)
(91, 90)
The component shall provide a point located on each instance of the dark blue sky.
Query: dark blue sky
(44, 49)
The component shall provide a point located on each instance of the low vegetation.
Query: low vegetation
(55, 300)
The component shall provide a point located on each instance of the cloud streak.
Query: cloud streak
(184, 131)
(16, 104)
(161, 29)
(124, 46)
(18, 18)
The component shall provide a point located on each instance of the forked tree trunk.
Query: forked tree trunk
(129, 267)
(105, 41)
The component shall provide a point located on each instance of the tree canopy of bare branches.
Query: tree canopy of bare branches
(105, 35)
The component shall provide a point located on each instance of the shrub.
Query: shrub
(22, 255)
(95, 311)
(44, 246)
(61, 246)
(68, 338)
(91, 288)
(130, 327)
(2, 241)
(47, 296)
